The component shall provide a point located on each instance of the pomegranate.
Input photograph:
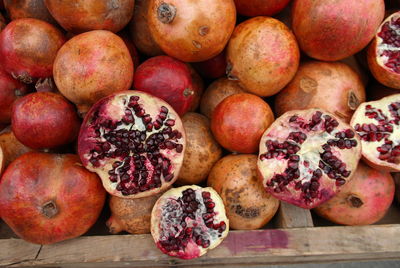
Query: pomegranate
(377, 91)
(188, 221)
(28, 48)
(91, 66)
(199, 38)
(202, 150)
(364, 200)
(131, 215)
(306, 156)
(335, 29)
(377, 123)
(254, 8)
(135, 142)
(332, 86)
(262, 55)
(383, 54)
(47, 198)
(198, 88)
(248, 205)
(11, 147)
(212, 68)
(36, 9)
(44, 120)
(168, 79)
(84, 15)
(10, 90)
(216, 92)
(140, 32)
(239, 121)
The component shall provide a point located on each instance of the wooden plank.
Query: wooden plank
(276, 246)
(290, 216)
(15, 251)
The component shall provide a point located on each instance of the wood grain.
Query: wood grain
(290, 216)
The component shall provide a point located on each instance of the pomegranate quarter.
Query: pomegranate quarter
(306, 156)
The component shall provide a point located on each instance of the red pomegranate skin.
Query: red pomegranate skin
(212, 68)
(166, 78)
(47, 198)
(19, 9)
(254, 8)
(331, 30)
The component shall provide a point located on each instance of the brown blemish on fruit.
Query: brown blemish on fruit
(355, 201)
(203, 30)
(196, 44)
(353, 101)
(308, 85)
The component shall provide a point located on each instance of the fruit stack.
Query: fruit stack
(104, 99)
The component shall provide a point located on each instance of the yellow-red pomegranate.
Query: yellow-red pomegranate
(252, 8)
(36, 9)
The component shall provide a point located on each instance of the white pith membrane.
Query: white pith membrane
(380, 136)
(167, 217)
(316, 184)
(113, 108)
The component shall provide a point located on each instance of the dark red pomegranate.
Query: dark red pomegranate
(85, 15)
(377, 123)
(28, 48)
(332, 30)
(306, 156)
(212, 68)
(91, 66)
(254, 8)
(10, 90)
(48, 198)
(166, 78)
(135, 142)
(36, 9)
(44, 120)
(199, 38)
(188, 221)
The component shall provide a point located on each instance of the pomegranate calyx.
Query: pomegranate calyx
(166, 13)
(49, 209)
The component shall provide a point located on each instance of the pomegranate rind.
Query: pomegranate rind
(110, 108)
(192, 250)
(370, 153)
(311, 148)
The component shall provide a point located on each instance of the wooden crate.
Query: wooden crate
(294, 236)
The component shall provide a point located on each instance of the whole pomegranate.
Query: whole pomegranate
(28, 48)
(254, 8)
(84, 15)
(332, 30)
(199, 38)
(11, 147)
(91, 66)
(332, 86)
(239, 121)
(216, 92)
(10, 90)
(202, 150)
(262, 55)
(188, 221)
(44, 120)
(364, 200)
(377, 123)
(48, 198)
(166, 78)
(383, 54)
(248, 205)
(134, 141)
(306, 156)
(212, 68)
(36, 9)
(131, 215)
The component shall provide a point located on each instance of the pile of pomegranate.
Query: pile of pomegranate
(193, 117)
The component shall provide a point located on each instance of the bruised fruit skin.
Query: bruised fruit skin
(334, 87)
(335, 29)
(28, 48)
(91, 66)
(131, 215)
(48, 198)
(378, 123)
(199, 38)
(239, 121)
(306, 156)
(252, 8)
(135, 142)
(216, 92)
(212, 68)
(36, 9)
(44, 120)
(11, 147)
(85, 15)
(202, 150)
(248, 205)
(188, 221)
(364, 200)
(262, 55)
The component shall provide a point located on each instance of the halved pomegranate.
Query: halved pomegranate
(306, 156)
(134, 141)
(188, 221)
